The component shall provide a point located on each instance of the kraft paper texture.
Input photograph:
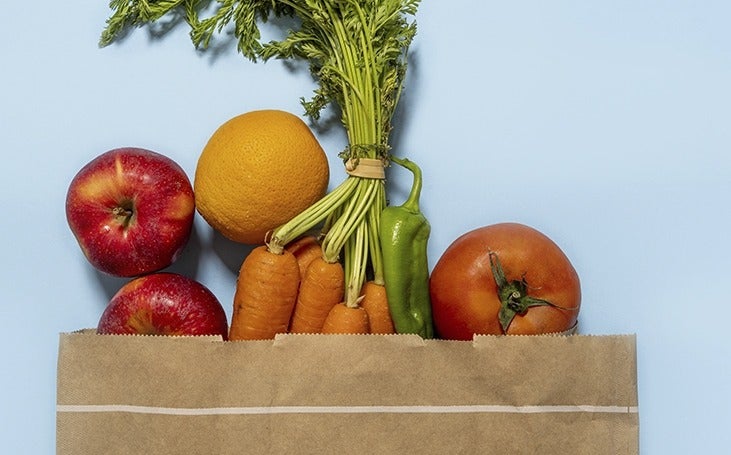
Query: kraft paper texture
(347, 394)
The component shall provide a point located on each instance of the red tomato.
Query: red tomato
(509, 272)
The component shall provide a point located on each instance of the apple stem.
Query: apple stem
(124, 215)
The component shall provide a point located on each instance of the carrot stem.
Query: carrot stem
(374, 240)
(356, 265)
(313, 215)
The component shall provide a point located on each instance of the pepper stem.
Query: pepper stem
(412, 202)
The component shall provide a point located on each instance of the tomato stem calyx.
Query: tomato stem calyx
(514, 298)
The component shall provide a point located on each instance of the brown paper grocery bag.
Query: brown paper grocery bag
(343, 394)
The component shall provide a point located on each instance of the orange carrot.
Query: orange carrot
(266, 291)
(305, 249)
(346, 319)
(376, 305)
(322, 288)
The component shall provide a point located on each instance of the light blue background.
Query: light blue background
(603, 124)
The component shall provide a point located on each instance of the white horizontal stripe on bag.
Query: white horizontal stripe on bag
(455, 409)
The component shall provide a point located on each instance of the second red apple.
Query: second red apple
(164, 304)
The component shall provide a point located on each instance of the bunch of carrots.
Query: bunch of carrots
(357, 52)
(298, 291)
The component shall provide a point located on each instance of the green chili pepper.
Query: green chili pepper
(404, 233)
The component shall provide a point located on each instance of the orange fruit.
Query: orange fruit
(257, 171)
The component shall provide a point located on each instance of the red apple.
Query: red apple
(164, 304)
(131, 210)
